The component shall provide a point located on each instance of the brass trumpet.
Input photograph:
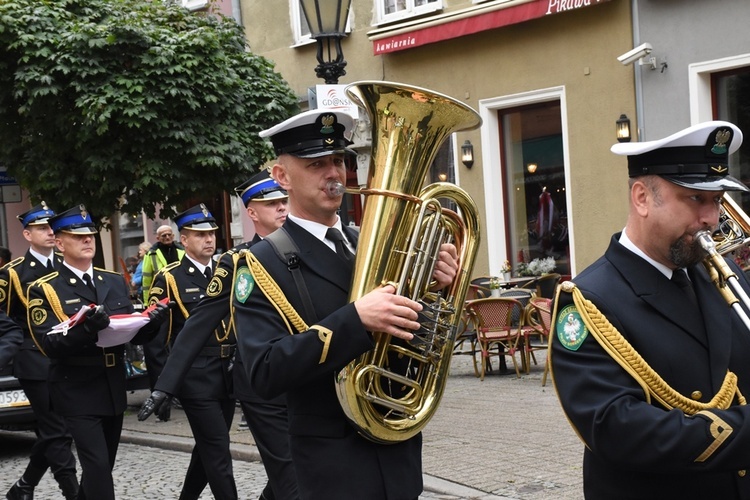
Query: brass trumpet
(731, 233)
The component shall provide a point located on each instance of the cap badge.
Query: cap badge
(44, 205)
(328, 142)
(204, 210)
(84, 213)
(722, 137)
(719, 169)
(327, 121)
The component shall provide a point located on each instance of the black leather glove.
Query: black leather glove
(158, 402)
(96, 319)
(160, 314)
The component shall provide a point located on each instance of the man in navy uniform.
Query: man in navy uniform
(331, 458)
(52, 448)
(266, 205)
(649, 363)
(86, 382)
(206, 389)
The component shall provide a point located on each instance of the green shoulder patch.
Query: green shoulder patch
(571, 331)
(243, 284)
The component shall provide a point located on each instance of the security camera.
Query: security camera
(632, 56)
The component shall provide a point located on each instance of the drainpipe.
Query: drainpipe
(640, 121)
(237, 11)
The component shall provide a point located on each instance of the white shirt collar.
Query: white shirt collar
(627, 243)
(319, 230)
(42, 258)
(79, 273)
(201, 267)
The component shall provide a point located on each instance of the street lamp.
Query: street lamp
(327, 22)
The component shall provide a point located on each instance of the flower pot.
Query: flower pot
(506, 276)
(495, 292)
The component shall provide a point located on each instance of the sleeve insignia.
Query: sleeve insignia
(571, 331)
(38, 316)
(215, 285)
(156, 290)
(243, 284)
(221, 272)
(3, 283)
(2, 295)
(35, 302)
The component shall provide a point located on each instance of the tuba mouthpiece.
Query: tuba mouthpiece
(334, 189)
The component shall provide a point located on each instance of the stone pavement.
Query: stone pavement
(501, 438)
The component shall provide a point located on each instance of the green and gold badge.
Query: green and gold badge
(571, 331)
(243, 284)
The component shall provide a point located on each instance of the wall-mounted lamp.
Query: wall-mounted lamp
(327, 22)
(623, 128)
(467, 154)
(531, 167)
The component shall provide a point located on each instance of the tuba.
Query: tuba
(732, 233)
(392, 391)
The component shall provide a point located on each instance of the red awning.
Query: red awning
(475, 24)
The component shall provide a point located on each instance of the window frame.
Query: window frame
(410, 11)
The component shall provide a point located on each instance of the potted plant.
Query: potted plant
(537, 267)
(494, 286)
(506, 270)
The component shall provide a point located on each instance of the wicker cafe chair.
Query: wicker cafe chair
(466, 338)
(538, 327)
(545, 285)
(496, 333)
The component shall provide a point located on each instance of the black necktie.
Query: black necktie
(89, 283)
(337, 238)
(207, 272)
(50, 266)
(680, 278)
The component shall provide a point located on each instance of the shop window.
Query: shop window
(731, 96)
(533, 180)
(394, 10)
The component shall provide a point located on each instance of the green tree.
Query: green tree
(122, 104)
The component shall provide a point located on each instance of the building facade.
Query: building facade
(544, 76)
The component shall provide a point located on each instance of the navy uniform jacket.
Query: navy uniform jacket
(204, 318)
(85, 379)
(15, 278)
(206, 376)
(323, 443)
(637, 450)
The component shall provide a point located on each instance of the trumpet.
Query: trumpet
(731, 233)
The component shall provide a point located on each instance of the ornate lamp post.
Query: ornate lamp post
(327, 22)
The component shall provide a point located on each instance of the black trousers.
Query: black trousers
(211, 461)
(155, 354)
(52, 446)
(96, 439)
(269, 425)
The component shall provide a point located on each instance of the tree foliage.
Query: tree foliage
(122, 104)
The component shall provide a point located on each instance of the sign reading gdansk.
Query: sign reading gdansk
(512, 14)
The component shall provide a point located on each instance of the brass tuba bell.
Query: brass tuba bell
(392, 391)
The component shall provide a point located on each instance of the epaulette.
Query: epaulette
(102, 270)
(168, 267)
(45, 278)
(14, 262)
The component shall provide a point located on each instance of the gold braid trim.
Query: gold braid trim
(274, 294)
(653, 385)
(15, 282)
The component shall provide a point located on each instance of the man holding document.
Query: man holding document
(87, 381)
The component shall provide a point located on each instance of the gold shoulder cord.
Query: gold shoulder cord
(272, 292)
(54, 303)
(653, 385)
(15, 282)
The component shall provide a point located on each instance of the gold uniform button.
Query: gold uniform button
(696, 395)
(741, 473)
